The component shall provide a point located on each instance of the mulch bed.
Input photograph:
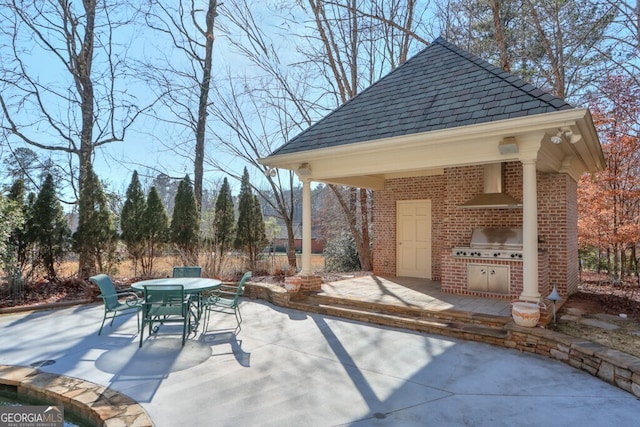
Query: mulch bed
(598, 295)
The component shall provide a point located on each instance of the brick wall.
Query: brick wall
(454, 276)
(452, 225)
(384, 220)
(558, 229)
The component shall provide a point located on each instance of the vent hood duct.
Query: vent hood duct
(492, 197)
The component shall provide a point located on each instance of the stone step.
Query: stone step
(447, 315)
(378, 315)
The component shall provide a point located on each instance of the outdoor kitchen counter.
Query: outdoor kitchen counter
(455, 277)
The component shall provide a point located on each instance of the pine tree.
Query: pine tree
(224, 223)
(95, 238)
(260, 240)
(132, 222)
(10, 220)
(250, 231)
(20, 242)
(50, 229)
(185, 223)
(156, 230)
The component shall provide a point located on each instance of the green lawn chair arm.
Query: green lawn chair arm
(228, 289)
(225, 293)
(131, 298)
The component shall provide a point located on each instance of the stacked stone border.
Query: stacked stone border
(96, 403)
(612, 366)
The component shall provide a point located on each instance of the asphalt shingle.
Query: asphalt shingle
(441, 87)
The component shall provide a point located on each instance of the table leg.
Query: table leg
(196, 312)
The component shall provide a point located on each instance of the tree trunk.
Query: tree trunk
(82, 75)
(499, 31)
(291, 244)
(359, 235)
(366, 259)
(198, 170)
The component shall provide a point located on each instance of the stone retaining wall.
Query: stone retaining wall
(100, 404)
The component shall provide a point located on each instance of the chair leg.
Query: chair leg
(238, 315)
(207, 315)
(102, 325)
(186, 325)
(141, 333)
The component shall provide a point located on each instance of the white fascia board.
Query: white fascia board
(443, 148)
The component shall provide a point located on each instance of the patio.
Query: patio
(287, 365)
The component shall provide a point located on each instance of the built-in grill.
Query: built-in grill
(492, 243)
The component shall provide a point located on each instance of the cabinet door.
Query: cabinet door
(477, 277)
(498, 279)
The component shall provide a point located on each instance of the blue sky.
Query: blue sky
(146, 147)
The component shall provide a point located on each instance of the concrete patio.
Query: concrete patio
(292, 368)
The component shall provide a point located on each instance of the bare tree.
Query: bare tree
(256, 113)
(78, 102)
(361, 43)
(623, 41)
(248, 136)
(352, 45)
(186, 84)
(557, 46)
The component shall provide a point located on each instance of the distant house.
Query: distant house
(281, 242)
(474, 173)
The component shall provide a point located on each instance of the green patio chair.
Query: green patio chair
(112, 299)
(226, 300)
(165, 304)
(187, 271)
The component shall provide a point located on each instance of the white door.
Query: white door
(413, 224)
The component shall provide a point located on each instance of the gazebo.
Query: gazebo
(423, 138)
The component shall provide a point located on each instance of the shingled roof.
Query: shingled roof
(441, 87)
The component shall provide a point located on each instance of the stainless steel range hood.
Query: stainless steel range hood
(492, 197)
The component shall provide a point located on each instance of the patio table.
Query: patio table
(192, 285)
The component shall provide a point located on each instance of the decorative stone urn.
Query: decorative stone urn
(525, 313)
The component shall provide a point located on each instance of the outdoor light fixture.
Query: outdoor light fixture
(508, 145)
(271, 172)
(304, 169)
(569, 135)
(554, 297)
(565, 134)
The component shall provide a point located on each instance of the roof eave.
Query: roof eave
(579, 117)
